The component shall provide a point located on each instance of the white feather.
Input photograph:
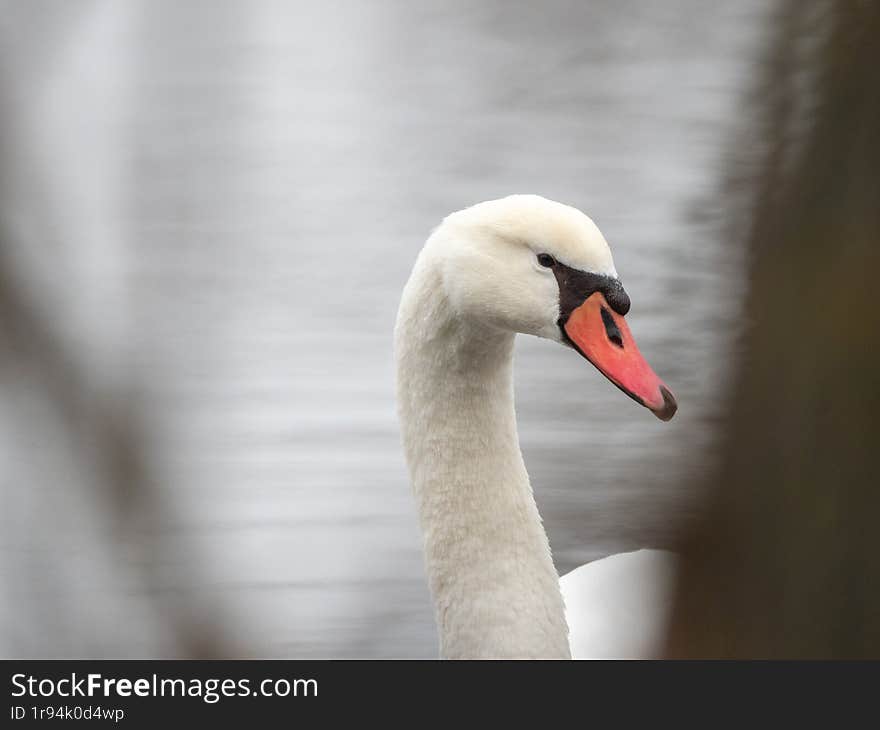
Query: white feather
(618, 607)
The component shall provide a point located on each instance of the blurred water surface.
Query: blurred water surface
(219, 203)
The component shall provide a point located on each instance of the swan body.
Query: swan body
(618, 607)
(522, 264)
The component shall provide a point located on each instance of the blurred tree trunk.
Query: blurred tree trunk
(787, 561)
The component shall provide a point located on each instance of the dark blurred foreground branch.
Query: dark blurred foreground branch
(786, 563)
(107, 436)
(100, 420)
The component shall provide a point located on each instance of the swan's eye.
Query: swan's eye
(545, 259)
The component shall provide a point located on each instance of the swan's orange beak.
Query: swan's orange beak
(603, 337)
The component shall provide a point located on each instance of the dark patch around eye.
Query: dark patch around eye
(576, 285)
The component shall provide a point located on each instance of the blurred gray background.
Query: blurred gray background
(207, 213)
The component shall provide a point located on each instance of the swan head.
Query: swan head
(531, 265)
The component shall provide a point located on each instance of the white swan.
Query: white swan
(531, 265)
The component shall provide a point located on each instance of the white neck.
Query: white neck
(495, 589)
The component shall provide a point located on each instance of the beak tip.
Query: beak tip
(669, 407)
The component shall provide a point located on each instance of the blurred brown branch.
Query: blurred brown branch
(785, 564)
(101, 420)
(107, 434)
